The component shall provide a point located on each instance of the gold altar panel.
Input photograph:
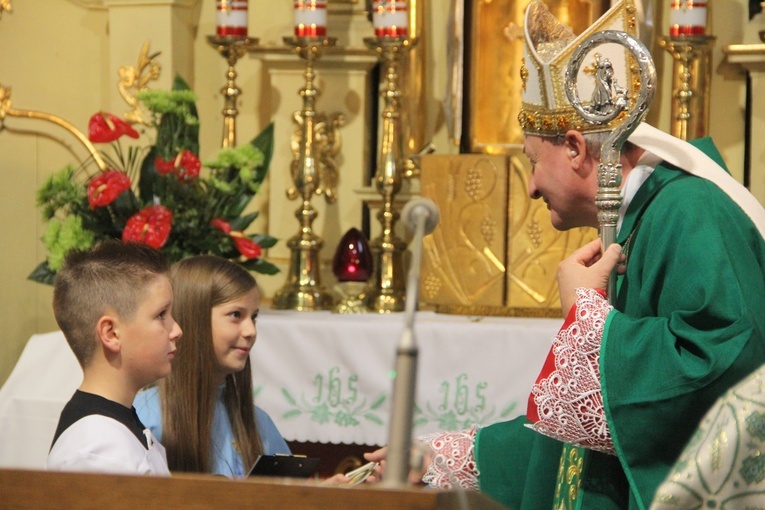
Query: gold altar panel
(535, 248)
(495, 57)
(495, 251)
(463, 260)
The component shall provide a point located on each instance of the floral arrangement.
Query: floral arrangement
(157, 194)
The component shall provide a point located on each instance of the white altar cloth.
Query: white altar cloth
(322, 377)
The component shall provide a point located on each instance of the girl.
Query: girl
(203, 412)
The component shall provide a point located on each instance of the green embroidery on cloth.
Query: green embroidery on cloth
(462, 405)
(335, 401)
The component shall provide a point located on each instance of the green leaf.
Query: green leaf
(292, 413)
(265, 142)
(42, 274)
(289, 397)
(148, 178)
(192, 133)
(125, 206)
(419, 422)
(180, 84)
(507, 410)
(238, 206)
(378, 402)
(373, 418)
(264, 240)
(260, 266)
(243, 222)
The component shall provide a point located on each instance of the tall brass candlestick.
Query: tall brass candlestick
(386, 291)
(691, 83)
(315, 144)
(232, 48)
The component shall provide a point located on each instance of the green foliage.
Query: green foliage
(222, 193)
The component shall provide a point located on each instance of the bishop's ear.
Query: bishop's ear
(576, 147)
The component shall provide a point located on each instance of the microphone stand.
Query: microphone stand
(400, 437)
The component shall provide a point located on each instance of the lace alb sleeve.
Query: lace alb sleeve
(568, 401)
(453, 463)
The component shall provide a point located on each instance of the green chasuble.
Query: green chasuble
(689, 322)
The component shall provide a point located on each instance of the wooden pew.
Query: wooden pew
(42, 490)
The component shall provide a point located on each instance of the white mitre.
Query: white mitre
(546, 110)
(548, 48)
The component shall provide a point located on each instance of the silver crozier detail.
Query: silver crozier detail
(608, 101)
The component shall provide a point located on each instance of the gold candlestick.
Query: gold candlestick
(691, 83)
(232, 48)
(386, 291)
(315, 144)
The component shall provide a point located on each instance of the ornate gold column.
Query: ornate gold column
(231, 48)
(315, 143)
(691, 83)
(386, 290)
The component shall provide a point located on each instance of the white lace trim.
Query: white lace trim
(569, 400)
(453, 462)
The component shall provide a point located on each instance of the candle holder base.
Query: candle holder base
(352, 297)
(309, 299)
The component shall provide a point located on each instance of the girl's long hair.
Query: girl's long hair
(188, 393)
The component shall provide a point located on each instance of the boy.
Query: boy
(113, 304)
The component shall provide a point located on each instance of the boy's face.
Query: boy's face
(148, 339)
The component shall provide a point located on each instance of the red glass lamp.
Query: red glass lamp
(352, 266)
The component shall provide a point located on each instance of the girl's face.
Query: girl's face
(234, 331)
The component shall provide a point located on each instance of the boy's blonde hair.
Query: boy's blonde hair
(110, 277)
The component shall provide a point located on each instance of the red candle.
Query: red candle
(310, 18)
(231, 17)
(390, 18)
(688, 17)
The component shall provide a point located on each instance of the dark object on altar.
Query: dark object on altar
(353, 260)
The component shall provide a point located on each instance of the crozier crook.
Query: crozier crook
(608, 102)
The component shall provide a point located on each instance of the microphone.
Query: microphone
(417, 208)
(421, 217)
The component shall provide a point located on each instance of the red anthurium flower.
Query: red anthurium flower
(221, 224)
(189, 167)
(246, 246)
(105, 128)
(104, 188)
(150, 225)
(164, 166)
(186, 164)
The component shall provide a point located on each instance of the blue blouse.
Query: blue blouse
(226, 459)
